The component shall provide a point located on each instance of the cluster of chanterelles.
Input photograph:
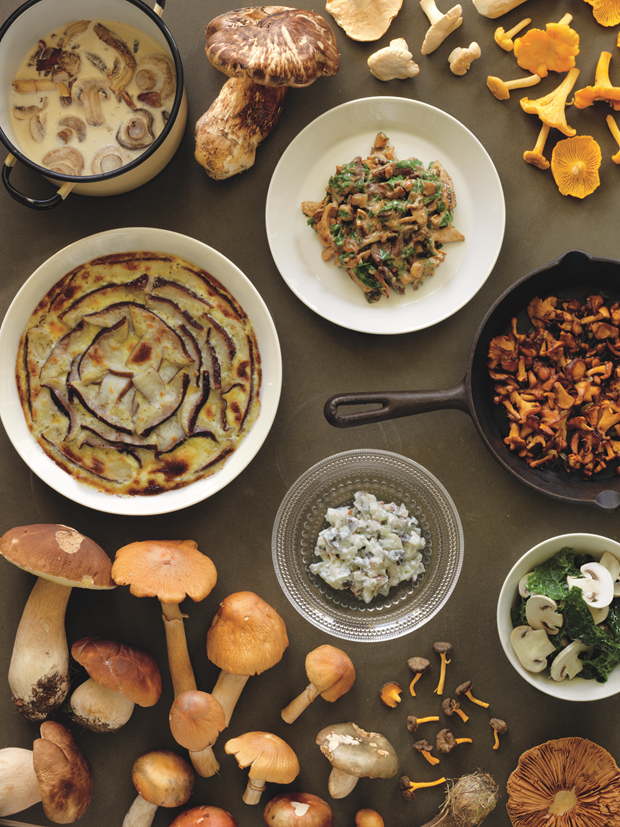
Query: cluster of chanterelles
(560, 384)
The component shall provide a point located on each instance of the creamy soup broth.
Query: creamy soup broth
(91, 97)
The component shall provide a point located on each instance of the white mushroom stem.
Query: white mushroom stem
(254, 790)
(495, 8)
(227, 690)
(181, 669)
(340, 783)
(441, 24)
(19, 788)
(140, 814)
(100, 709)
(39, 668)
(291, 712)
(204, 761)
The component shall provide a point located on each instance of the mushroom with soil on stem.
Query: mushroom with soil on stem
(204, 816)
(409, 788)
(354, 754)
(441, 24)
(169, 570)
(196, 719)
(162, 779)
(466, 689)
(425, 749)
(298, 810)
(499, 728)
(468, 801)
(449, 706)
(62, 559)
(418, 666)
(413, 722)
(263, 50)
(446, 742)
(120, 676)
(269, 758)
(331, 674)
(443, 649)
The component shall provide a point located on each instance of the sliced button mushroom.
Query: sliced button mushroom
(540, 613)
(123, 70)
(568, 663)
(71, 127)
(36, 128)
(611, 562)
(137, 131)
(597, 585)
(532, 647)
(22, 113)
(108, 159)
(523, 590)
(65, 159)
(87, 92)
(156, 73)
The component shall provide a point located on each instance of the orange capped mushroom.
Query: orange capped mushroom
(603, 90)
(551, 108)
(390, 693)
(162, 779)
(553, 50)
(575, 163)
(606, 12)
(269, 759)
(331, 674)
(196, 719)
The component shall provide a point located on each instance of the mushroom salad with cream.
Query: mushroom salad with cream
(568, 616)
(369, 547)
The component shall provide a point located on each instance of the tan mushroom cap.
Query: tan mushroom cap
(356, 752)
(571, 782)
(169, 570)
(58, 553)
(364, 19)
(120, 668)
(269, 757)
(163, 778)
(273, 45)
(247, 636)
(196, 719)
(204, 816)
(63, 774)
(331, 671)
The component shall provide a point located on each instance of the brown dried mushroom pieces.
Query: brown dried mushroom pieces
(570, 782)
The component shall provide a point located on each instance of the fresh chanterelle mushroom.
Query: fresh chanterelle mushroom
(597, 585)
(532, 647)
(541, 613)
(263, 50)
(354, 754)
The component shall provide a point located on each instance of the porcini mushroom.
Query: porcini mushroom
(331, 674)
(196, 719)
(63, 773)
(354, 754)
(162, 779)
(368, 818)
(413, 722)
(19, 788)
(446, 742)
(441, 24)
(120, 677)
(393, 61)
(443, 650)
(204, 816)
(499, 728)
(169, 570)
(425, 749)
(466, 689)
(532, 647)
(269, 759)
(298, 810)
(449, 706)
(246, 637)
(408, 787)
(418, 666)
(62, 559)
(264, 50)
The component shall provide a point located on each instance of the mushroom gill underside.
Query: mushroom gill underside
(145, 379)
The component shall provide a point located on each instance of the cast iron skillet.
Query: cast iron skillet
(574, 275)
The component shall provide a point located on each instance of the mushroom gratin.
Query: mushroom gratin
(385, 221)
(139, 373)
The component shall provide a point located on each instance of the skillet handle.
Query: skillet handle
(394, 404)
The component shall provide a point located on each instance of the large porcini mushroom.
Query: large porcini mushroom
(364, 20)
(63, 773)
(62, 559)
(120, 676)
(264, 50)
(169, 570)
(269, 759)
(298, 810)
(196, 719)
(331, 674)
(19, 788)
(566, 781)
(246, 637)
(354, 754)
(162, 779)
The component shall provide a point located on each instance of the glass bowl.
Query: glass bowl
(332, 483)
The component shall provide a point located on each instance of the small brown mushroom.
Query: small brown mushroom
(445, 741)
(418, 666)
(162, 779)
(449, 706)
(204, 815)
(196, 719)
(296, 810)
(443, 650)
(63, 773)
(331, 674)
(413, 722)
(408, 788)
(425, 749)
(466, 689)
(499, 728)
(368, 818)
(390, 693)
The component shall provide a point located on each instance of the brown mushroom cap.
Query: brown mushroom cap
(247, 636)
(272, 45)
(269, 757)
(418, 665)
(356, 752)
(196, 719)
(331, 671)
(120, 668)
(300, 809)
(58, 553)
(169, 570)
(567, 781)
(63, 774)
(204, 816)
(163, 778)
(445, 741)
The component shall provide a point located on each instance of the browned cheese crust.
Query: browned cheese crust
(139, 373)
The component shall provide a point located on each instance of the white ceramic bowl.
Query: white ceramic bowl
(122, 241)
(577, 689)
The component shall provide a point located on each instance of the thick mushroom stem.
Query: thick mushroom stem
(227, 690)
(19, 788)
(39, 668)
(204, 761)
(181, 669)
(253, 790)
(140, 814)
(291, 712)
(340, 783)
(99, 708)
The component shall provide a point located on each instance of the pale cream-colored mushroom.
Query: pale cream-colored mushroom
(64, 159)
(461, 58)
(331, 674)
(155, 75)
(393, 62)
(87, 92)
(496, 8)
(364, 20)
(441, 24)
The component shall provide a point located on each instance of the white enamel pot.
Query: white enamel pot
(18, 36)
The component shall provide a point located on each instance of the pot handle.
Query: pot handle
(25, 200)
(393, 404)
(159, 7)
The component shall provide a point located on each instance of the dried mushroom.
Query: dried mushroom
(446, 742)
(570, 782)
(390, 693)
(364, 20)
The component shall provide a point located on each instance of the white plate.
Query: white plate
(414, 129)
(122, 241)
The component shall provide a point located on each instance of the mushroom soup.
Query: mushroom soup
(91, 97)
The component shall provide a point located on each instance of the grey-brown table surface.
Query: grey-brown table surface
(502, 518)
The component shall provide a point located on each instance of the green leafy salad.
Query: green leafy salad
(549, 578)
